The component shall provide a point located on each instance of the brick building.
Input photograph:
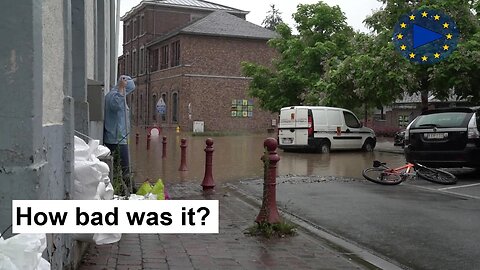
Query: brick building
(189, 53)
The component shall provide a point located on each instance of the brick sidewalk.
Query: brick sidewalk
(230, 249)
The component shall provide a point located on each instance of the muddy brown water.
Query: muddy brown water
(238, 157)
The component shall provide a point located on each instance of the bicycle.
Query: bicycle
(381, 174)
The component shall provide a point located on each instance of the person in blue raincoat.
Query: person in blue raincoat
(117, 125)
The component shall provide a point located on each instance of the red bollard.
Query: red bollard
(268, 211)
(183, 157)
(208, 182)
(137, 136)
(148, 141)
(164, 149)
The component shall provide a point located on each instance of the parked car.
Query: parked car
(321, 129)
(399, 138)
(445, 138)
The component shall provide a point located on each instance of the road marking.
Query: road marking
(471, 185)
(463, 195)
(446, 191)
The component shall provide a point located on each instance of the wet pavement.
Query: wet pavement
(238, 157)
(230, 249)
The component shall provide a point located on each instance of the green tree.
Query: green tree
(323, 38)
(273, 18)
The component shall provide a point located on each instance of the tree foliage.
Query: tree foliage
(327, 63)
(273, 18)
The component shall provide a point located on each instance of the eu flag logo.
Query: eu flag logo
(425, 36)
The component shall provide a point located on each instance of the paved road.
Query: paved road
(416, 224)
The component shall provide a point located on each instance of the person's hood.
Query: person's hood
(130, 84)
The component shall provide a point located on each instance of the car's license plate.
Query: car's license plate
(287, 140)
(436, 136)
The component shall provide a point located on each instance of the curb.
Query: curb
(358, 254)
(399, 152)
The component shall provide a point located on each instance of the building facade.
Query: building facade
(57, 56)
(188, 54)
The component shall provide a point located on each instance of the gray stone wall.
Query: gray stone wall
(45, 65)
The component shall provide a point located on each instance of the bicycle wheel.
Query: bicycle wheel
(382, 176)
(436, 175)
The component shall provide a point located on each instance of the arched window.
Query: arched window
(140, 109)
(175, 107)
(164, 116)
(154, 107)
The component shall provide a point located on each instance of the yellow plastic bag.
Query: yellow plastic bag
(145, 188)
(159, 189)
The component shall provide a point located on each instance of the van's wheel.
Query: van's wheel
(325, 147)
(368, 146)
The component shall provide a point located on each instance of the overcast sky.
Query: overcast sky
(355, 10)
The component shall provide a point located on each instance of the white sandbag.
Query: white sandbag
(23, 251)
(106, 238)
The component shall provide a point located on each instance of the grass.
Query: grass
(267, 230)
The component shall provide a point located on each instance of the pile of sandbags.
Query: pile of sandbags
(23, 251)
(92, 182)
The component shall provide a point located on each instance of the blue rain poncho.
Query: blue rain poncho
(117, 114)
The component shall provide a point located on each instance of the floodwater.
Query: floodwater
(238, 158)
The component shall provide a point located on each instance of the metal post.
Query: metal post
(164, 149)
(148, 141)
(208, 182)
(183, 158)
(268, 211)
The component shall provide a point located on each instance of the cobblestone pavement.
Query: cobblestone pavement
(230, 249)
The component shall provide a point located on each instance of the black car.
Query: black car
(445, 138)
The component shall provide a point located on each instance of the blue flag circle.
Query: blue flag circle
(425, 36)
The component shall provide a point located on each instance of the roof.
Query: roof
(191, 4)
(416, 98)
(221, 23)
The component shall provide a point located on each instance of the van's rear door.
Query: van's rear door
(293, 126)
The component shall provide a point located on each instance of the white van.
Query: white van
(322, 129)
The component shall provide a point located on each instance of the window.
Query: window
(142, 61)
(134, 62)
(140, 108)
(174, 107)
(442, 120)
(124, 33)
(154, 107)
(129, 33)
(176, 53)
(350, 120)
(154, 60)
(164, 57)
(403, 120)
(127, 63)
(164, 116)
(142, 24)
(134, 29)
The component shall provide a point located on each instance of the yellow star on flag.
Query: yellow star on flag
(437, 55)
(412, 55)
(412, 17)
(424, 58)
(449, 36)
(424, 14)
(399, 36)
(445, 48)
(437, 17)
(446, 25)
(403, 47)
(403, 25)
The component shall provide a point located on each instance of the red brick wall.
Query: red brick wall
(208, 79)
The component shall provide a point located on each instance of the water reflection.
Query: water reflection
(238, 157)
